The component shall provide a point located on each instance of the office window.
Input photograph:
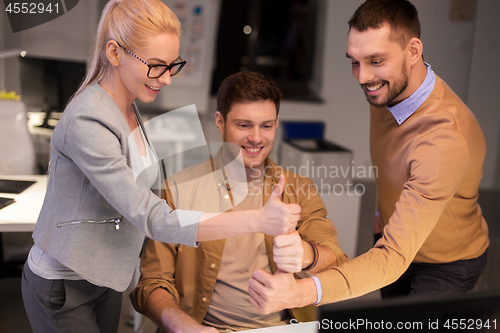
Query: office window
(274, 37)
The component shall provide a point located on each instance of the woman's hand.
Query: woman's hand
(277, 218)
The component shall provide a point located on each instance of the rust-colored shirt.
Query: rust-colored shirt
(429, 169)
(190, 274)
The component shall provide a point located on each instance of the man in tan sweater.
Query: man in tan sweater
(429, 151)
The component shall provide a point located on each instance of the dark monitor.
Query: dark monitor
(478, 312)
(48, 84)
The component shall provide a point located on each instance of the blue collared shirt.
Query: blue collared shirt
(406, 108)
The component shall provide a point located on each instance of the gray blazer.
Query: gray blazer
(94, 216)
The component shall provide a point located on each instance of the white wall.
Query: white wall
(68, 37)
(10, 65)
(483, 95)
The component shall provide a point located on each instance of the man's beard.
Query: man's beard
(398, 88)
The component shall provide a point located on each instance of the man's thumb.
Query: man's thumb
(278, 189)
(260, 275)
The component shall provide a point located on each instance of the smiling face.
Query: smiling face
(162, 49)
(380, 65)
(251, 126)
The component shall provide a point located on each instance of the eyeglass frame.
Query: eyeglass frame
(181, 64)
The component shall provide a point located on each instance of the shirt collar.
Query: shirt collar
(406, 108)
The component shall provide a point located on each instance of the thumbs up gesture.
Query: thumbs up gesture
(288, 252)
(272, 293)
(276, 217)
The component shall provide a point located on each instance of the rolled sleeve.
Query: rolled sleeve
(157, 271)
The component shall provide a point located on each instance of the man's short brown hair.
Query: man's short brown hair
(401, 15)
(246, 87)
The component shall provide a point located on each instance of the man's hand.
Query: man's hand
(164, 311)
(276, 217)
(273, 293)
(288, 252)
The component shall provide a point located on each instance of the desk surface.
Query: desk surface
(23, 214)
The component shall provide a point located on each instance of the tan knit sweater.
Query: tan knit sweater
(429, 169)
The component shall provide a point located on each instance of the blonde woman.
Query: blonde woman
(92, 224)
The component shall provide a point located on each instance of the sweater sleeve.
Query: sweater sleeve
(437, 164)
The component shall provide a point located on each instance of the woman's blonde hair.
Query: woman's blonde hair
(129, 22)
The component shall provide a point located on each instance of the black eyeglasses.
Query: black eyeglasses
(155, 71)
